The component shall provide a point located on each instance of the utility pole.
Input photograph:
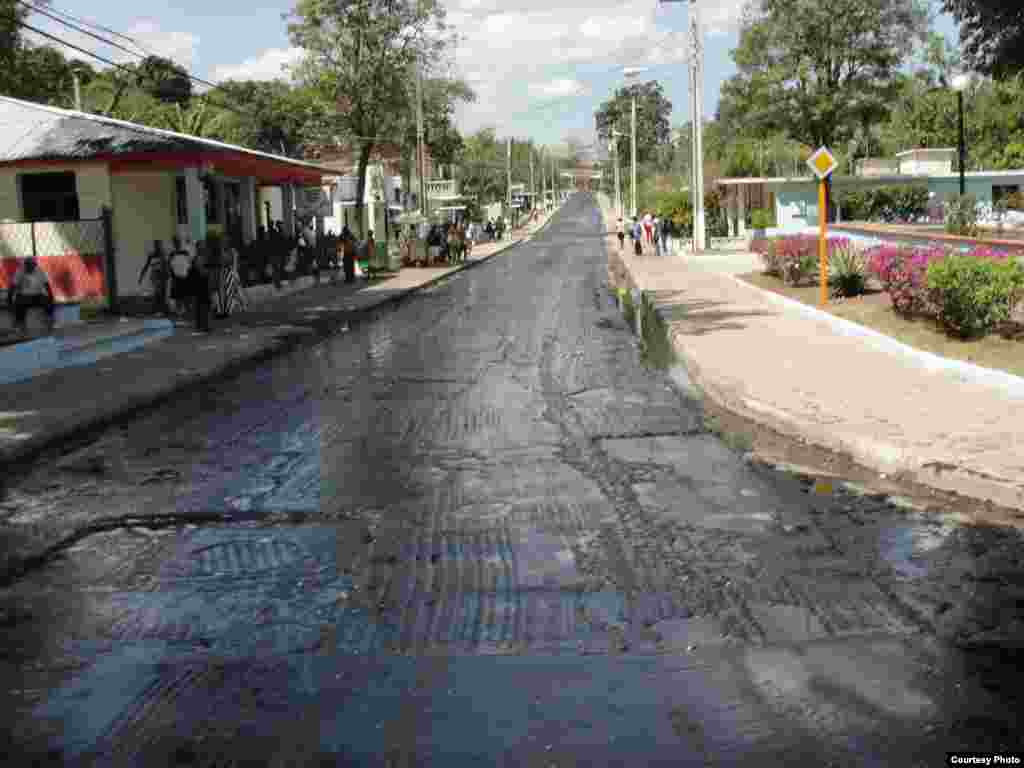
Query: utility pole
(419, 140)
(533, 191)
(698, 124)
(508, 170)
(78, 92)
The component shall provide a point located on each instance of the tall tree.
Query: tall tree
(358, 58)
(652, 119)
(816, 71)
(992, 34)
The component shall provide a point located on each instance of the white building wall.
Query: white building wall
(144, 211)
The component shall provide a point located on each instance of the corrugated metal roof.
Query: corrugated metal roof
(30, 131)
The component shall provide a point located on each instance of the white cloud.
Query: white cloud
(558, 87)
(149, 37)
(269, 65)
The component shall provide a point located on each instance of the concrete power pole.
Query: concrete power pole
(533, 191)
(508, 170)
(632, 190)
(78, 92)
(698, 125)
(419, 141)
(618, 190)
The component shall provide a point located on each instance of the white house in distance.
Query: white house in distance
(60, 169)
(795, 200)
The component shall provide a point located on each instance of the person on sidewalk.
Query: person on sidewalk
(638, 237)
(656, 235)
(621, 231)
(199, 284)
(667, 231)
(348, 254)
(647, 227)
(179, 261)
(31, 288)
(157, 266)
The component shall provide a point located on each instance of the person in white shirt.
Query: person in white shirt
(31, 288)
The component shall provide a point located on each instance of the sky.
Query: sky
(539, 71)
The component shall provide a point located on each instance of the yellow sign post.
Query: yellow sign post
(822, 163)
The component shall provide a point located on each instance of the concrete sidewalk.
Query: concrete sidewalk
(810, 378)
(62, 405)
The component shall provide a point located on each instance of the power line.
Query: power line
(124, 68)
(100, 27)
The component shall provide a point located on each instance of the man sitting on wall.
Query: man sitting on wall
(31, 288)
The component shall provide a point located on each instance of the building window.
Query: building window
(1002, 191)
(49, 196)
(182, 200)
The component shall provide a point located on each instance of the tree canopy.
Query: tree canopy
(360, 59)
(992, 34)
(817, 71)
(653, 128)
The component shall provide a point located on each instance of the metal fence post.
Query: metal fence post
(32, 230)
(108, 259)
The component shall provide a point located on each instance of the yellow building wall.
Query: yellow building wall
(91, 179)
(144, 210)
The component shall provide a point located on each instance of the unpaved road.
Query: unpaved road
(475, 530)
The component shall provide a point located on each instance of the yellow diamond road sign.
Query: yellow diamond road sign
(822, 162)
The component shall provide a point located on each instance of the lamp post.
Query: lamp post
(631, 73)
(960, 83)
(618, 191)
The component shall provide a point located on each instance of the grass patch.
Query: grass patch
(656, 348)
(736, 440)
(1002, 351)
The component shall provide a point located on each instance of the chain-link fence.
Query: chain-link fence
(71, 253)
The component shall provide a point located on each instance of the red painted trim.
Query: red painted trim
(95, 160)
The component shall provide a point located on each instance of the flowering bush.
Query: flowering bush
(765, 248)
(973, 294)
(796, 257)
(901, 271)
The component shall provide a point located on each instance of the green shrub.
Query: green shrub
(762, 218)
(847, 272)
(962, 215)
(891, 204)
(629, 309)
(973, 295)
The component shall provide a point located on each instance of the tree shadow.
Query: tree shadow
(699, 317)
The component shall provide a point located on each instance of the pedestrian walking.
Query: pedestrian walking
(179, 261)
(647, 227)
(371, 250)
(489, 229)
(348, 257)
(199, 283)
(620, 230)
(668, 233)
(157, 267)
(656, 235)
(229, 295)
(638, 237)
(31, 288)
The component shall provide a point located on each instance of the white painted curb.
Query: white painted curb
(1007, 383)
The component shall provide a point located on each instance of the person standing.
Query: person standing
(638, 237)
(157, 266)
(348, 255)
(31, 288)
(179, 262)
(647, 227)
(667, 231)
(621, 232)
(656, 234)
(199, 283)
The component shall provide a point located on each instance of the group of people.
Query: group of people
(202, 280)
(653, 230)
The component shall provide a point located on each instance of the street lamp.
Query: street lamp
(631, 73)
(618, 191)
(960, 84)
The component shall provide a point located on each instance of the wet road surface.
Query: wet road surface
(475, 530)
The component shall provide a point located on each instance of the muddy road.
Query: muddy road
(476, 530)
